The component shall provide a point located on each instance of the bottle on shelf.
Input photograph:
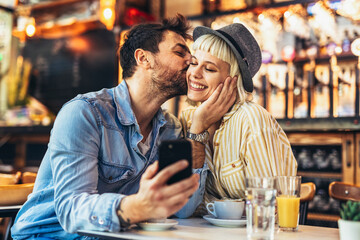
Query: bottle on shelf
(346, 44)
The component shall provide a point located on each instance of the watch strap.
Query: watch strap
(200, 137)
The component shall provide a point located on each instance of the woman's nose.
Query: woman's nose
(195, 71)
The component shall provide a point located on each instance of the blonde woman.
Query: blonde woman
(247, 140)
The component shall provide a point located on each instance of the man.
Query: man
(98, 171)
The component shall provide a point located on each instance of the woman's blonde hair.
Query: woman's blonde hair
(220, 49)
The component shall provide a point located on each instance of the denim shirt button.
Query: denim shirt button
(110, 178)
(101, 222)
(93, 217)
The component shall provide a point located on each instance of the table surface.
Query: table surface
(198, 228)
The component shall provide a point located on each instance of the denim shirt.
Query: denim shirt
(91, 163)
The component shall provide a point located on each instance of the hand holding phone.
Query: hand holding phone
(171, 151)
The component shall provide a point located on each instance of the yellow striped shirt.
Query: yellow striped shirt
(249, 142)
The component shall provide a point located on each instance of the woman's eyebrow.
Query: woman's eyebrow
(208, 62)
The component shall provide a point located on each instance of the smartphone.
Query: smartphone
(171, 151)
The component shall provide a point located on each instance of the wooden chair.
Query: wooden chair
(344, 191)
(307, 194)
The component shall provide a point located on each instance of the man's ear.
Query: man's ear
(142, 58)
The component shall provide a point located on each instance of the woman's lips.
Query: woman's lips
(196, 86)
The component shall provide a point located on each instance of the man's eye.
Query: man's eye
(180, 54)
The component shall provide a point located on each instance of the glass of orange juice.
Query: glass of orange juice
(288, 202)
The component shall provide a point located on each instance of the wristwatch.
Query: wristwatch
(201, 137)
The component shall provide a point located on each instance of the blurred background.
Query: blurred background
(50, 51)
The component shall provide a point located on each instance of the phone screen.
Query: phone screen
(171, 151)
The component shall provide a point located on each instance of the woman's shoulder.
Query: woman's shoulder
(252, 111)
(255, 115)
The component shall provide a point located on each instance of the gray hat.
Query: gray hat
(244, 46)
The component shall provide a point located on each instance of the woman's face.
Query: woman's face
(205, 73)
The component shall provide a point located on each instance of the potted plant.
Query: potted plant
(349, 224)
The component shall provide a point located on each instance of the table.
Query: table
(198, 228)
(10, 212)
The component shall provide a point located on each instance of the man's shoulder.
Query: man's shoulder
(100, 104)
(103, 95)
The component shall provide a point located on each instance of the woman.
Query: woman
(247, 140)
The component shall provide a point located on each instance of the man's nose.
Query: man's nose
(188, 59)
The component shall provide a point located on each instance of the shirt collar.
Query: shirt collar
(123, 106)
(233, 109)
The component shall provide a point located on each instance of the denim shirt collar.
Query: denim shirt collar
(123, 107)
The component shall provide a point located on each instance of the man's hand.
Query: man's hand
(156, 199)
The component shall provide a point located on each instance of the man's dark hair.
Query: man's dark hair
(147, 36)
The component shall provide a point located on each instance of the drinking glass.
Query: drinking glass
(261, 182)
(288, 202)
(260, 207)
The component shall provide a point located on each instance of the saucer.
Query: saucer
(230, 223)
(151, 226)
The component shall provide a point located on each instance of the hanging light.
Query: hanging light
(30, 28)
(107, 13)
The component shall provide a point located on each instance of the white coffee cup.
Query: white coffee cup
(226, 209)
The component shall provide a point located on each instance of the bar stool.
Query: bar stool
(344, 191)
(307, 194)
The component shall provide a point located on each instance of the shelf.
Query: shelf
(323, 217)
(339, 124)
(6, 8)
(18, 130)
(47, 5)
(258, 8)
(320, 174)
(326, 58)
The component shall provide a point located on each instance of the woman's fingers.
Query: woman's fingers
(228, 90)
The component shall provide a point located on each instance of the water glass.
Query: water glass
(261, 182)
(260, 208)
(288, 202)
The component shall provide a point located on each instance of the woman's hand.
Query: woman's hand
(156, 199)
(215, 107)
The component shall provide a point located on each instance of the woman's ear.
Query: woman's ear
(142, 58)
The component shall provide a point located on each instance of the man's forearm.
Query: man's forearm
(127, 212)
(198, 154)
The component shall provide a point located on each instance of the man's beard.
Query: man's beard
(169, 84)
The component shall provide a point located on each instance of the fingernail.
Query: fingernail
(184, 163)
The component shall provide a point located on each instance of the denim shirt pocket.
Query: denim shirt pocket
(112, 173)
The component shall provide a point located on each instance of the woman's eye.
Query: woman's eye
(210, 70)
(192, 63)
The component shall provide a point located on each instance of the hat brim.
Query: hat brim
(244, 70)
